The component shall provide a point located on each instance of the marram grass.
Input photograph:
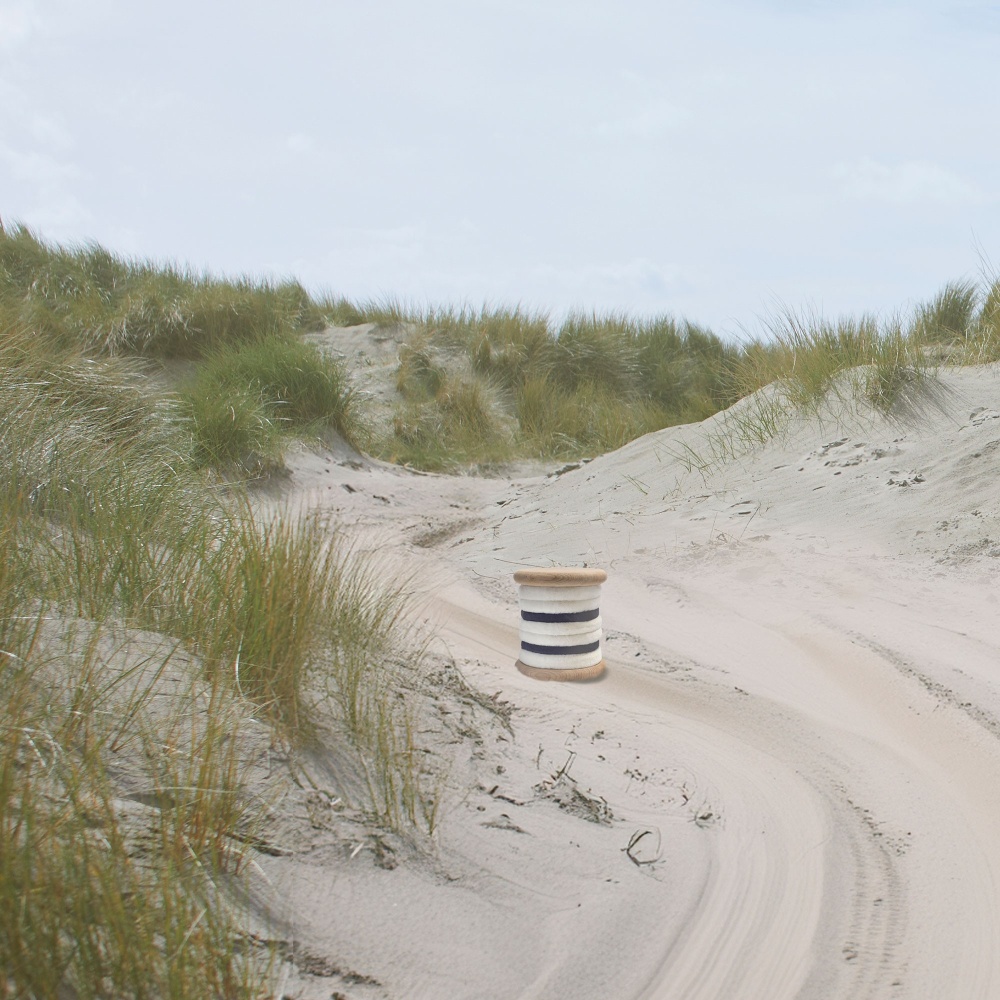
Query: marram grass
(246, 400)
(607, 377)
(94, 906)
(110, 527)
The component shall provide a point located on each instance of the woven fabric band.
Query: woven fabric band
(561, 650)
(561, 616)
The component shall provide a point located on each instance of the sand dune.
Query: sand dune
(786, 785)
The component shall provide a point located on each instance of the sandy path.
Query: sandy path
(750, 930)
(801, 718)
(859, 846)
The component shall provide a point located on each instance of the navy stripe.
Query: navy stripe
(561, 650)
(561, 616)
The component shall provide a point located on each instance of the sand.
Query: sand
(787, 783)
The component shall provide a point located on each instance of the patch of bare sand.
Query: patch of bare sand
(786, 784)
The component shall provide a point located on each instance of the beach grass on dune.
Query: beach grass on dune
(91, 908)
(806, 357)
(99, 479)
(594, 382)
(447, 420)
(90, 298)
(604, 378)
(111, 528)
(246, 400)
(252, 384)
(585, 386)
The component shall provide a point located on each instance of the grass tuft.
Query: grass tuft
(949, 319)
(460, 426)
(418, 376)
(244, 399)
(561, 423)
(807, 357)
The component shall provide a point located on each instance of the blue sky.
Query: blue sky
(713, 161)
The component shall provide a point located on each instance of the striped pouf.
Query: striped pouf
(560, 623)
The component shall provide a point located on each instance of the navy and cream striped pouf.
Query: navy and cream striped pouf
(560, 623)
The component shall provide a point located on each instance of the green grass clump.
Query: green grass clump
(236, 432)
(982, 339)
(459, 426)
(895, 374)
(685, 370)
(281, 582)
(561, 423)
(597, 350)
(808, 363)
(338, 311)
(809, 357)
(387, 311)
(245, 399)
(418, 375)
(950, 318)
(504, 345)
(302, 386)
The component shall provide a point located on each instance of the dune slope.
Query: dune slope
(786, 785)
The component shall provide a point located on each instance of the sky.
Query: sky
(714, 161)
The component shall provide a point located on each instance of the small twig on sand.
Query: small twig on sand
(747, 525)
(564, 770)
(636, 837)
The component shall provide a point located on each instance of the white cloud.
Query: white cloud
(357, 252)
(49, 132)
(300, 143)
(18, 21)
(640, 277)
(647, 123)
(38, 168)
(908, 183)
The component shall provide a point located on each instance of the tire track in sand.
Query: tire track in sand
(752, 931)
(860, 849)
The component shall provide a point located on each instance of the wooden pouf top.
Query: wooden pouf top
(556, 577)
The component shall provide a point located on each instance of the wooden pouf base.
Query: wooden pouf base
(555, 674)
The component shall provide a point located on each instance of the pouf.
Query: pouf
(560, 623)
